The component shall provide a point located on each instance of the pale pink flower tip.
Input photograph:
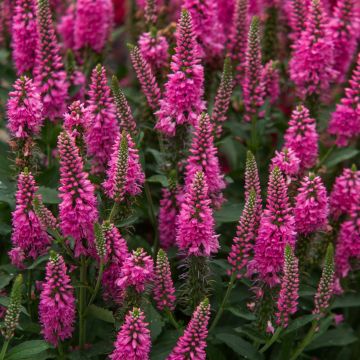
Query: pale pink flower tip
(154, 48)
(195, 222)
(192, 344)
(57, 302)
(24, 109)
(133, 340)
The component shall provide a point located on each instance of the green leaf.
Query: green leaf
(5, 280)
(101, 314)
(155, 320)
(242, 314)
(27, 350)
(163, 346)
(349, 300)
(4, 301)
(229, 213)
(161, 179)
(39, 261)
(341, 155)
(49, 195)
(299, 323)
(240, 346)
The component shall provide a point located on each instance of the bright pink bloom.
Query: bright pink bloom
(77, 209)
(49, 74)
(203, 157)
(253, 87)
(193, 343)
(124, 175)
(24, 109)
(57, 302)
(76, 121)
(277, 228)
(226, 11)
(66, 27)
(93, 23)
(184, 90)
(312, 63)
(271, 80)
(195, 222)
(164, 291)
(301, 137)
(287, 161)
(154, 49)
(133, 340)
(29, 238)
(289, 293)
(345, 192)
(24, 36)
(103, 127)
(297, 12)
(311, 208)
(137, 271)
(345, 121)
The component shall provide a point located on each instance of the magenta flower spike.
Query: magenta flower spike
(49, 74)
(103, 127)
(297, 13)
(133, 340)
(195, 222)
(271, 80)
(124, 175)
(192, 344)
(146, 77)
(57, 302)
(312, 63)
(345, 120)
(302, 138)
(343, 28)
(253, 86)
(137, 271)
(239, 38)
(345, 192)
(277, 228)
(226, 11)
(29, 239)
(164, 291)
(184, 90)
(24, 109)
(203, 156)
(244, 240)
(93, 24)
(77, 121)
(287, 161)
(289, 293)
(311, 206)
(66, 27)
(78, 207)
(24, 35)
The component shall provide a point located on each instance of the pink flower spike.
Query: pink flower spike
(57, 302)
(77, 121)
(133, 340)
(24, 109)
(287, 162)
(271, 80)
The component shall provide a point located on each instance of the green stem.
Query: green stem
(272, 340)
(152, 216)
(113, 212)
(172, 319)
(97, 286)
(82, 304)
(224, 301)
(254, 140)
(62, 242)
(306, 341)
(325, 157)
(4, 349)
(61, 351)
(29, 293)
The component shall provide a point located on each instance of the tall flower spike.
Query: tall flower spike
(49, 74)
(289, 293)
(343, 27)
(203, 156)
(123, 110)
(164, 291)
(103, 126)
(192, 344)
(93, 23)
(11, 320)
(226, 11)
(151, 11)
(239, 38)
(100, 242)
(124, 175)
(133, 340)
(301, 137)
(77, 209)
(45, 216)
(311, 205)
(28, 233)
(312, 63)
(195, 222)
(24, 36)
(24, 109)
(287, 161)
(326, 284)
(277, 228)
(297, 12)
(345, 120)
(253, 87)
(146, 78)
(184, 90)
(57, 302)
(271, 80)
(345, 192)
(245, 237)
(223, 97)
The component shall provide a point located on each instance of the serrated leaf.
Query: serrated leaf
(101, 313)
(27, 349)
